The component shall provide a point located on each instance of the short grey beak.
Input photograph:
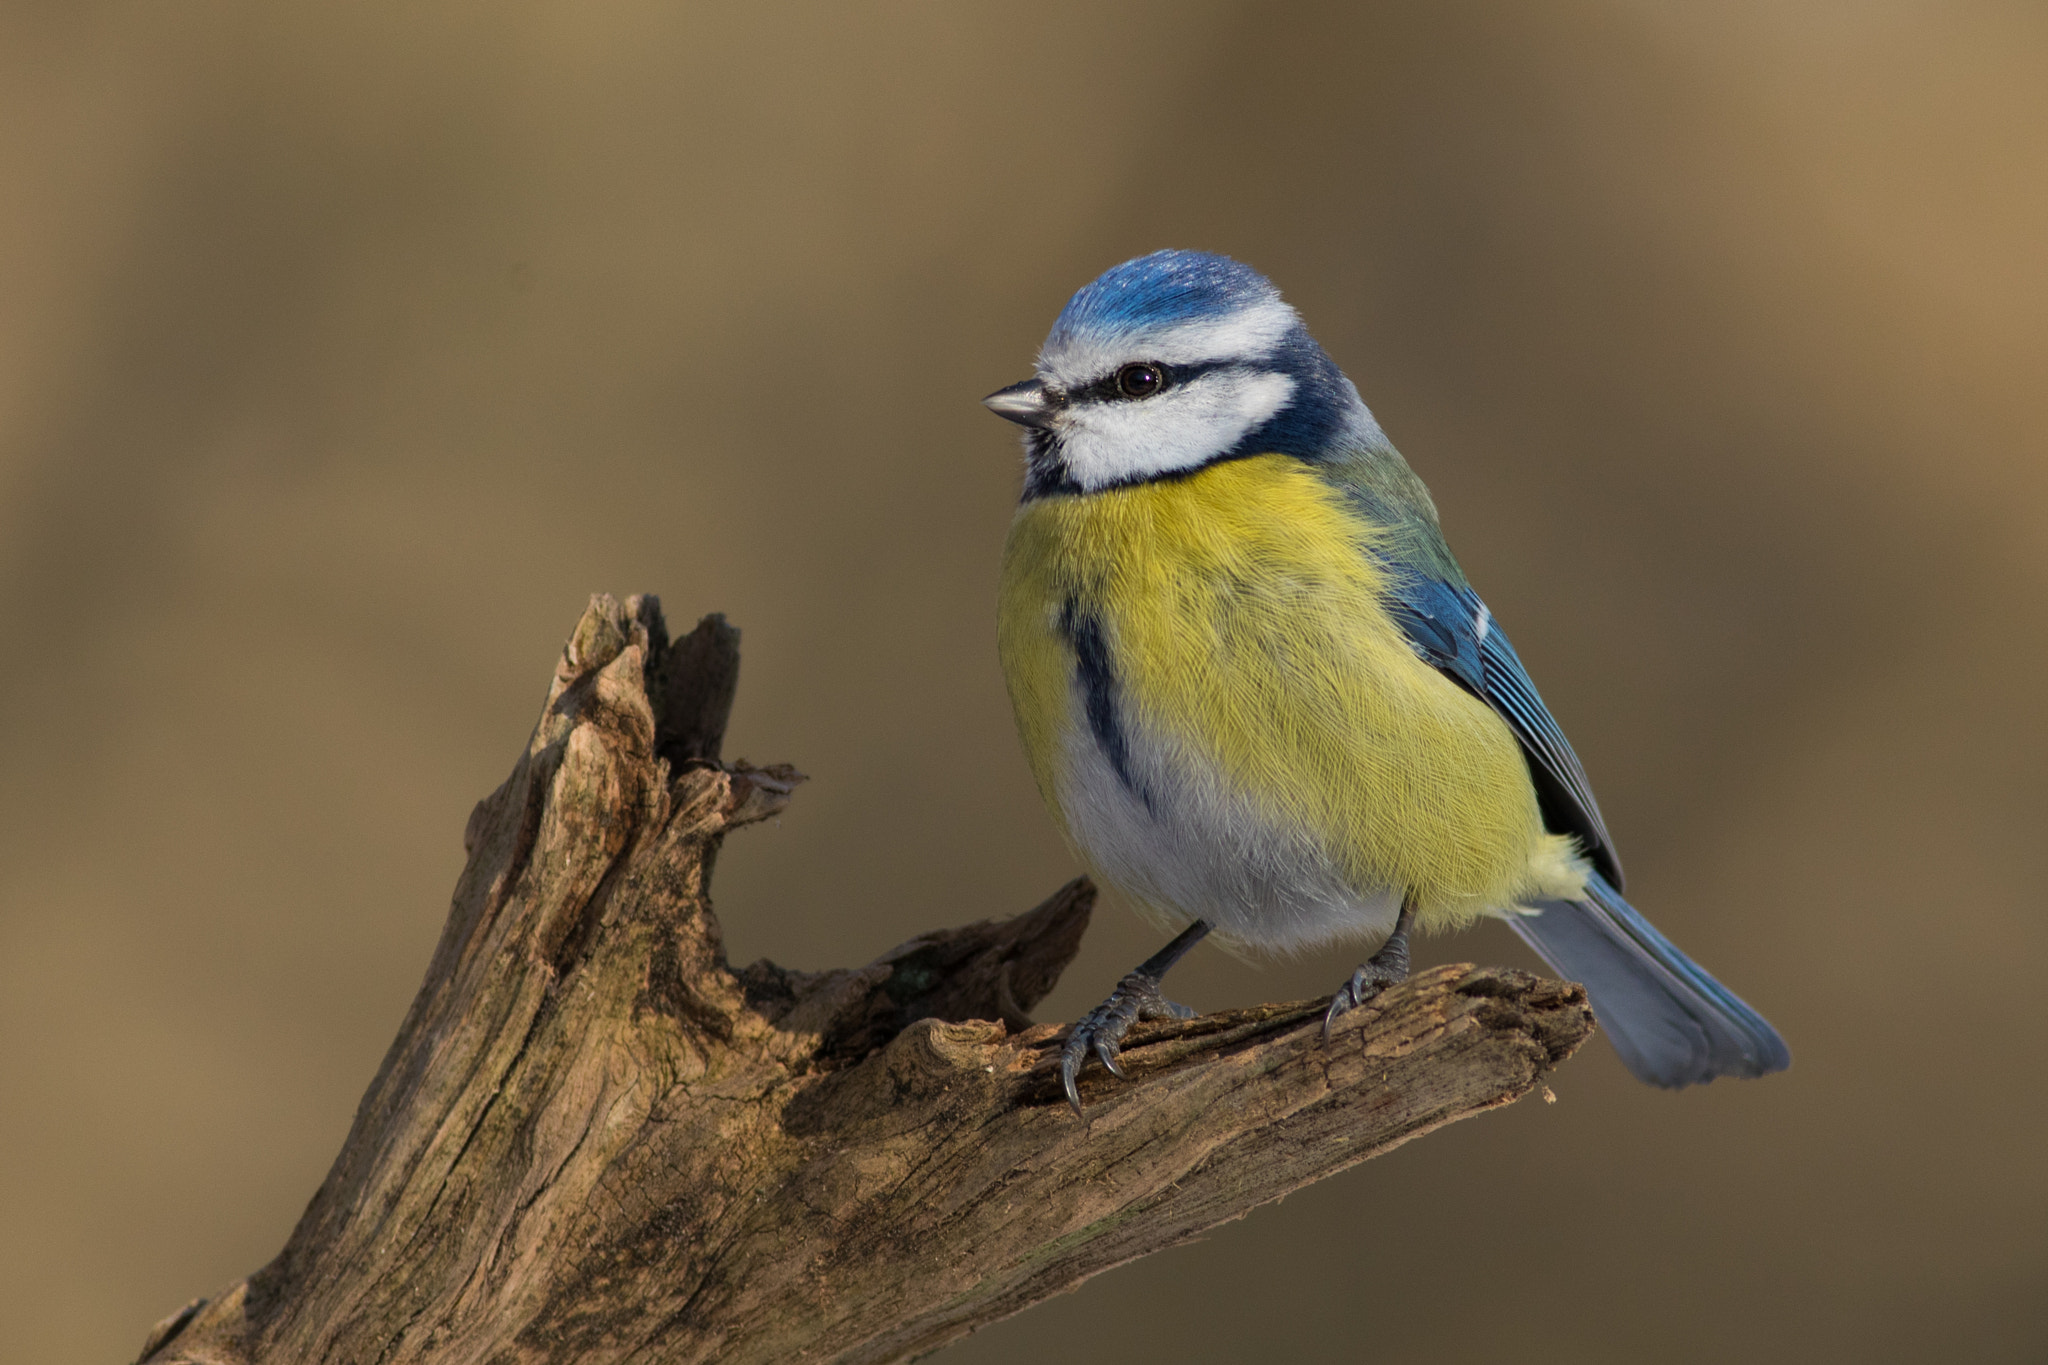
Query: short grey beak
(1026, 404)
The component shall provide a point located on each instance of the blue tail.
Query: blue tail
(1672, 1023)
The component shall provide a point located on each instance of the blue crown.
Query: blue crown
(1163, 288)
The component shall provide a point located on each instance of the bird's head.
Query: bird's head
(1171, 362)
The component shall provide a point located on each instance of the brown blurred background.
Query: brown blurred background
(345, 349)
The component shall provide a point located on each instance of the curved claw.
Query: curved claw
(1338, 1004)
(1362, 986)
(1110, 1054)
(1103, 1028)
(1387, 967)
(1070, 1068)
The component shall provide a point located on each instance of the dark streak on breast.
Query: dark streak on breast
(1097, 676)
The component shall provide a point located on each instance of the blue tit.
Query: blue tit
(1259, 696)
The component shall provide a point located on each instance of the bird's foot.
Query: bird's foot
(1136, 997)
(1387, 967)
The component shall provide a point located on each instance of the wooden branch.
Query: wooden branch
(592, 1141)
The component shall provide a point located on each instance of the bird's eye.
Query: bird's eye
(1141, 380)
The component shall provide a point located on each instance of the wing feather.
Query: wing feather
(1454, 632)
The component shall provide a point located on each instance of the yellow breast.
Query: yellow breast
(1241, 617)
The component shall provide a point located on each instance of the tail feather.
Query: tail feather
(1673, 1024)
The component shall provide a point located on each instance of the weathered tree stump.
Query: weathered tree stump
(593, 1141)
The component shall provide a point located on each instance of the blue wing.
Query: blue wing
(1454, 632)
(1672, 1023)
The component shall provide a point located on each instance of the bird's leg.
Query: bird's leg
(1136, 997)
(1384, 968)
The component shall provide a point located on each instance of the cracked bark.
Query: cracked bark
(593, 1141)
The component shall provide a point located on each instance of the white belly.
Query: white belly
(1183, 845)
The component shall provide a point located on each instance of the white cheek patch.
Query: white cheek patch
(1185, 427)
(1248, 334)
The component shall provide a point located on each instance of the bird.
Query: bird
(1261, 699)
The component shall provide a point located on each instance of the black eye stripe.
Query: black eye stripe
(1141, 380)
(1109, 388)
